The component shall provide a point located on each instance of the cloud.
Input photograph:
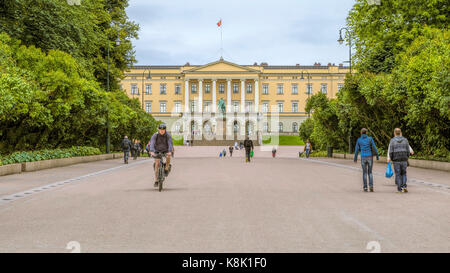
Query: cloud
(278, 32)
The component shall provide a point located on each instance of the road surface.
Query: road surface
(213, 204)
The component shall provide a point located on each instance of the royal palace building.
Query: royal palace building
(224, 100)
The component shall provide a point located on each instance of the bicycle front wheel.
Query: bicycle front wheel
(161, 177)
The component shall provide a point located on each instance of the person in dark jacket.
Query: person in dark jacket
(126, 146)
(161, 142)
(231, 150)
(248, 145)
(368, 149)
(398, 152)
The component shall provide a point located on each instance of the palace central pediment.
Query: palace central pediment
(221, 66)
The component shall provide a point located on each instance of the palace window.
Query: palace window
(235, 87)
(309, 90)
(294, 107)
(248, 106)
(163, 89)
(207, 88)
(221, 88)
(148, 89)
(324, 88)
(249, 88)
(265, 107)
(193, 88)
(193, 106)
(280, 127)
(207, 106)
(266, 127)
(162, 107)
(294, 127)
(148, 106)
(265, 89)
(177, 89)
(280, 107)
(177, 107)
(134, 89)
(280, 89)
(236, 106)
(340, 85)
(177, 127)
(294, 89)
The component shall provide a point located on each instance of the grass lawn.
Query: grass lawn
(283, 140)
(177, 140)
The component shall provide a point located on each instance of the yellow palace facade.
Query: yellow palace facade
(256, 99)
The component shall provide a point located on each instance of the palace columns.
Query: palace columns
(200, 96)
(229, 95)
(214, 107)
(186, 96)
(256, 96)
(243, 95)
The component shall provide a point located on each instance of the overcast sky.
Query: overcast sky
(279, 32)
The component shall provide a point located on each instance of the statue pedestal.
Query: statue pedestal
(221, 128)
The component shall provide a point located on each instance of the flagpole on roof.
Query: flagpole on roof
(221, 40)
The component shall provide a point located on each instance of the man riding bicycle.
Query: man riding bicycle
(161, 142)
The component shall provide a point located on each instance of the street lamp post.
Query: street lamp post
(309, 93)
(340, 41)
(143, 76)
(108, 140)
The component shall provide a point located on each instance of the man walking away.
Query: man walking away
(224, 153)
(274, 152)
(308, 148)
(399, 151)
(126, 146)
(248, 145)
(368, 149)
(231, 150)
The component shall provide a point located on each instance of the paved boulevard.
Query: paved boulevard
(211, 204)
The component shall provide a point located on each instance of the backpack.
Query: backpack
(126, 144)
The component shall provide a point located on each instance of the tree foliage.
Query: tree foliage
(402, 79)
(83, 31)
(46, 102)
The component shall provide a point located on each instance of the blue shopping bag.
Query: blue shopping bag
(220, 155)
(389, 172)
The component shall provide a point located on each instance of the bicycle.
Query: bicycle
(161, 169)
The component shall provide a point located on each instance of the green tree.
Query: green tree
(381, 32)
(83, 31)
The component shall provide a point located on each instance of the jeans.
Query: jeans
(366, 164)
(400, 174)
(125, 155)
(247, 155)
(307, 152)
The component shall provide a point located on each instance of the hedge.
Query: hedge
(24, 156)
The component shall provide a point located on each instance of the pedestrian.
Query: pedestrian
(224, 153)
(147, 148)
(307, 148)
(241, 145)
(399, 152)
(248, 145)
(134, 149)
(274, 152)
(126, 146)
(236, 145)
(231, 150)
(138, 148)
(368, 149)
